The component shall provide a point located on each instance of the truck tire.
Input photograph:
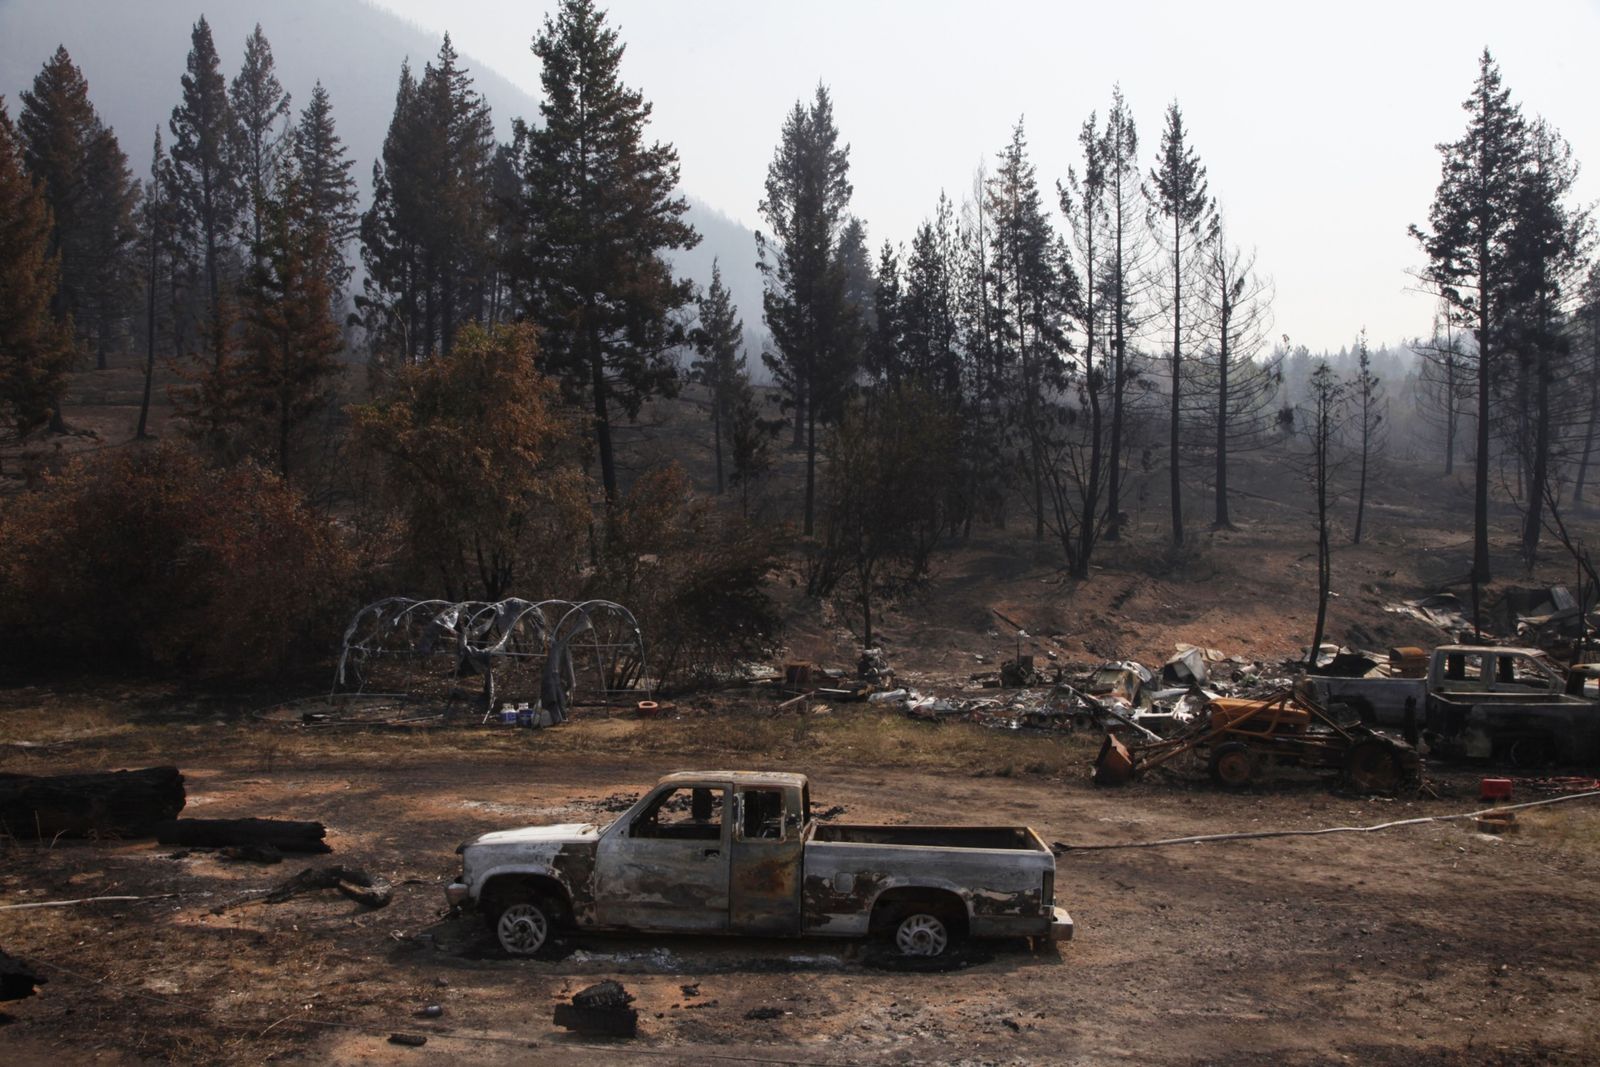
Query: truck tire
(1531, 751)
(1232, 765)
(923, 929)
(522, 922)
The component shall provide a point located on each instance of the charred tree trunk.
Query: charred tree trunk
(286, 835)
(110, 804)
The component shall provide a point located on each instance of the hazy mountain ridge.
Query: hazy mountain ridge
(133, 55)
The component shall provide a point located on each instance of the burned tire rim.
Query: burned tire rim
(1374, 767)
(522, 928)
(922, 934)
(1532, 752)
(1233, 766)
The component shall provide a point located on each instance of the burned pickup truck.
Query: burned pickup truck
(1511, 704)
(738, 852)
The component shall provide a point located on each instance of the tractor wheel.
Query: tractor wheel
(1233, 765)
(1374, 765)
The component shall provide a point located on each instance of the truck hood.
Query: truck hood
(540, 835)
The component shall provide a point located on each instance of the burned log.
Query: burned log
(107, 804)
(285, 835)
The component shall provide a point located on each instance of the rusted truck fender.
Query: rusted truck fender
(517, 870)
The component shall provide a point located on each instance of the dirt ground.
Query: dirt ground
(1431, 944)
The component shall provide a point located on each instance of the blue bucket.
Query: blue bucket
(508, 716)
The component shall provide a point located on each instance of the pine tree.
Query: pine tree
(35, 350)
(860, 288)
(425, 236)
(930, 335)
(458, 143)
(980, 383)
(886, 355)
(290, 341)
(92, 198)
(1185, 218)
(112, 238)
(156, 226)
(603, 211)
(749, 440)
(928, 313)
(1548, 240)
(804, 301)
(204, 171)
(1468, 244)
(330, 189)
(391, 300)
(259, 105)
(1031, 290)
(721, 366)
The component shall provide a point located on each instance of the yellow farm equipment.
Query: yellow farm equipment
(1240, 739)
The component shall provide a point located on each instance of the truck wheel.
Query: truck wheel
(1232, 765)
(1532, 752)
(522, 924)
(921, 932)
(1373, 766)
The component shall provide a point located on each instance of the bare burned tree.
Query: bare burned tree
(1229, 404)
(1078, 460)
(1446, 382)
(1322, 457)
(1127, 255)
(1371, 409)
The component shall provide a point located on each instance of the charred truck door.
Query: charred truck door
(768, 843)
(666, 868)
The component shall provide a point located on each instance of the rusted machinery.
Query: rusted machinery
(1240, 739)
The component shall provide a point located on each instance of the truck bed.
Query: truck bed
(1013, 838)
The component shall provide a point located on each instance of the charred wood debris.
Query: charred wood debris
(1178, 699)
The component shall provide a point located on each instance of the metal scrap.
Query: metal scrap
(554, 652)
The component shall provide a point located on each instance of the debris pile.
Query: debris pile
(1241, 740)
(601, 1010)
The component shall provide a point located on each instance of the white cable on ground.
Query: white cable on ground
(1060, 847)
(84, 900)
